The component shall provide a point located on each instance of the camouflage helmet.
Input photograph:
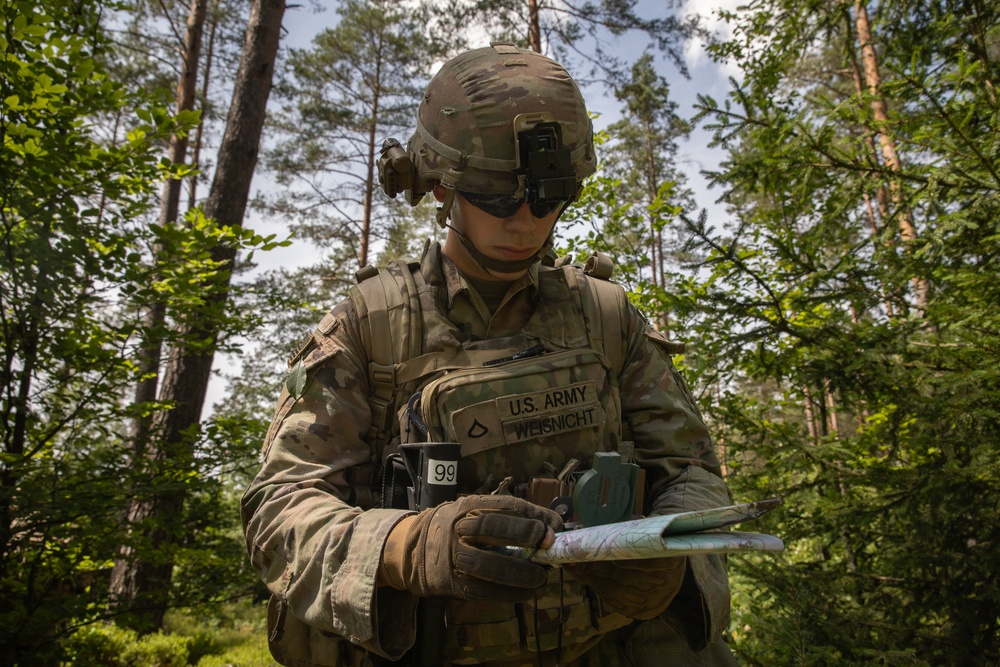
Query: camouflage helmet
(466, 138)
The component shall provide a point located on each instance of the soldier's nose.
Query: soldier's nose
(522, 221)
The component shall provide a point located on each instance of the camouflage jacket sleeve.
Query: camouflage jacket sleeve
(673, 445)
(307, 536)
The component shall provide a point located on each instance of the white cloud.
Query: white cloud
(694, 52)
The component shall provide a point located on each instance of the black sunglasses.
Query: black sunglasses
(504, 206)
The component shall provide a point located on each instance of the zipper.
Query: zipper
(533, 351)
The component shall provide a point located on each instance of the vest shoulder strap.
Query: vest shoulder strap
(391, 333)
(609, 300)
(605, 306)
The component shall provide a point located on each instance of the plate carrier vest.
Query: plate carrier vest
(396, 360)
(397, 365)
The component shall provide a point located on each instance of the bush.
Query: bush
(227, 634)
(99, 645)
(112, 646)
(159, 650)
(252, 653)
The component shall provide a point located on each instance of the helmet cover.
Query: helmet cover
(465, 135)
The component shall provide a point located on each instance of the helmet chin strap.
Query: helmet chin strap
(492, 265)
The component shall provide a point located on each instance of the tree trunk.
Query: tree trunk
(534, 28)
(366, 226)
(124, 581)
(810, 415)
(656, 255)
(833, 420)
(206, 78)
(23, 353)
(150, 354)
(158, 516)
(907, 230)
(186, 96)
(980, 26)
(833, 428)
(881, 196)
(652, 189)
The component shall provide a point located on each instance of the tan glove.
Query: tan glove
(437, 552)
(641, 589)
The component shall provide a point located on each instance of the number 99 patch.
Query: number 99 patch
(444, 473)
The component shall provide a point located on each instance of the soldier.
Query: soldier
(531, 366)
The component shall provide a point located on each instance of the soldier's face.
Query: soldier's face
(512, 238)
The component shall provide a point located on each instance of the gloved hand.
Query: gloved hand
(437, 552)
(641, 588)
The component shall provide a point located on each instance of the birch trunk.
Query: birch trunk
(366, 225)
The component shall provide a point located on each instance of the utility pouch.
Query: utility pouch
(433, 469)
(543, 490)
(541, 397)
(517, 415)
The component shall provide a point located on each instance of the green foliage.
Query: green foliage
(225, 633)
(228, 633)
(254, 653)
(68, 244)
(99, 645)
(112, 646)
(80, 170)
(630, 208)
(602, 220)
(158, 650)
(846, 334)
(188, 278)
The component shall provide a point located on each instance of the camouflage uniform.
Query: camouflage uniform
(315, 539)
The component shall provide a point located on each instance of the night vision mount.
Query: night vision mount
(544, 165)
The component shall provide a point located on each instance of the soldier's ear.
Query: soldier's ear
(439, 192)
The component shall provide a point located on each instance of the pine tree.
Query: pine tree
(579, 35)
(156, 518)
(642, 159)
(842, 320)
(358, 84)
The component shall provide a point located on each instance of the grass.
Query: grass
(231, 634)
